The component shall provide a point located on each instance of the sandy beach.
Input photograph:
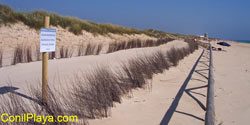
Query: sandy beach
(232, 83)
(124, 63)
(149, 106)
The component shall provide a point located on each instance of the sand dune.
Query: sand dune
(20, 34)
(23, 74)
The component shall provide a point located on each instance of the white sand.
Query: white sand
(232, 84)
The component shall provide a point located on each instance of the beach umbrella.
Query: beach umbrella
(224, 44)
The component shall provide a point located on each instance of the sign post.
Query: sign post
(45, 67)
(47, 44)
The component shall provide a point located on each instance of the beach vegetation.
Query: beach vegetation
(92, 94)
(35, 20)
(22, 54)
(66, 52)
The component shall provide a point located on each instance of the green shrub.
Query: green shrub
(75, 25)
(35, 20)
(6, 15)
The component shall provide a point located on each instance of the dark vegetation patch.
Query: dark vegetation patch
(38, 53)
(136, 43)
(81, 50)
(98, 48)
(66, 52)
(90, 49)
(22, 54)
(52, 55)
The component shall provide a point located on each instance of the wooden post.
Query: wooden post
(45, 67)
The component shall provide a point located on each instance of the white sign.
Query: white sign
(47, 40)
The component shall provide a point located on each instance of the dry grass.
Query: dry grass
(1, 57)
(81, 51)
(28, 54)
(134, 75)
(94, 93)
(22, 54)
(148, 43)
(135, 43)
(162, 41)
(116, 46)
(160, 61)
(112, 47)
(173, 56)
(12, 104)
(145, 66)
(139, 69)
(52, 55)
(90, 49)
(98, 48)
(18, 55)
(38, 53)
(66, 52)
(54, 106)
(192, 45)
(121, 45)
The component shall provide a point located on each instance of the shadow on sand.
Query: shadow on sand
(11, 89)
(168, 115)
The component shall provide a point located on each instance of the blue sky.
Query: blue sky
(227, 19)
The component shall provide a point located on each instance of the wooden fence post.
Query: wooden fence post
(45, 67)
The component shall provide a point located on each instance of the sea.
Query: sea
(242, 41)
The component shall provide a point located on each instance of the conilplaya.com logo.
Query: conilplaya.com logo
(30, 117)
